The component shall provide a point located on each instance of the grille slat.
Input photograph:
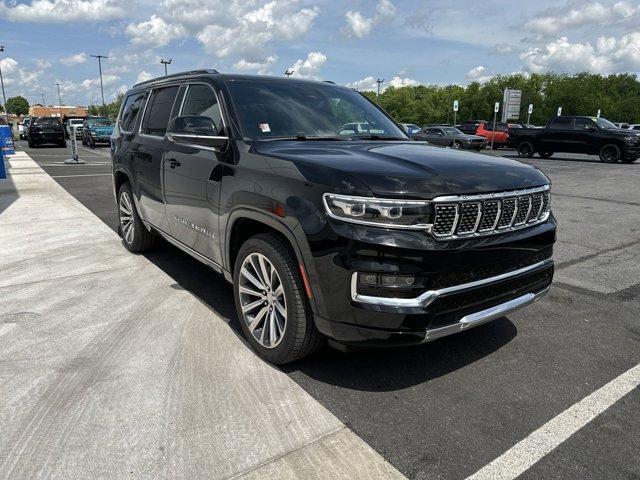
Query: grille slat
(488, 214)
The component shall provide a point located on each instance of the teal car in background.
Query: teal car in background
(96, 130)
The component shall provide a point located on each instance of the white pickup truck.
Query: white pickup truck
(23, 127)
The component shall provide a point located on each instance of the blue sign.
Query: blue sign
(6, 140)
(3, 173)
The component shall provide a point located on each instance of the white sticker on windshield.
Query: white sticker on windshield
(264, 127)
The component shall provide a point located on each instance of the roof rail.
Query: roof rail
(329, 81)
(179, 74)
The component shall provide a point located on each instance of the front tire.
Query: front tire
(525, 150)
(272, 307)
(135, 236)
(610, 153)
(456, 145)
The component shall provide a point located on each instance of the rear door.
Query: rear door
(192, 175)
(557, 136)
(147, 153)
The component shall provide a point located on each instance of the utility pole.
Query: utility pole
(165, 63)
(4, 98)
(44, 104)
(59, 100)
(288, 73)
(100, 57)
(379, 81)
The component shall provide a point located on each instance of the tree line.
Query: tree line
(617, 96)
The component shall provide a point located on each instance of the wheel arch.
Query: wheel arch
(243, 224)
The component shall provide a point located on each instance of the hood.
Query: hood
(409, 169)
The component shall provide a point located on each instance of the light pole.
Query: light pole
(165, 63)
(288, 73)
(59, 101)
(100, 57)
(4, 98)
(379, 81)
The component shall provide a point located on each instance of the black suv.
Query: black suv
(46, 130)
(365, 238)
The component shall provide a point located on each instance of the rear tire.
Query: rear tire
(545, 154)
(525, 150)
(135, 236)
(610, 153)
(457, 145)
(253, 283)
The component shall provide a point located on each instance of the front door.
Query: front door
(192, 180)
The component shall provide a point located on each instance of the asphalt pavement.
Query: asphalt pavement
(450, 408)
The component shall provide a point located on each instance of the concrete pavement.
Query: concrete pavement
(110, 369)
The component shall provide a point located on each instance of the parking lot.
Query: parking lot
(449, 408)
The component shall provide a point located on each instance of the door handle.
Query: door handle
(173, 163)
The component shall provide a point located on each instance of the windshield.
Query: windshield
(452, 131)
(272, 109)
(47, 121)
(99, 122)
(604, 123)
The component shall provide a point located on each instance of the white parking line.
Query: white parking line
(543, 441)
(85, 175)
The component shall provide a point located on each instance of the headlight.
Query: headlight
(381, 212)
(631, 140)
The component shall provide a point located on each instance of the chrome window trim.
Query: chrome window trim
(421, 302)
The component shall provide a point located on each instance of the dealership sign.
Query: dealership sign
(511, 104)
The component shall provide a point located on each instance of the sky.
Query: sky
(351, 42)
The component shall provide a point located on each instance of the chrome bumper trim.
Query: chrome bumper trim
(484, 316)
(420, 303)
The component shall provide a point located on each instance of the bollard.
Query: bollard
(73, 145)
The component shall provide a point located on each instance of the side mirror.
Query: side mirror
(195, 130)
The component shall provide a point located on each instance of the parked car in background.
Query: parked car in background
(450, 137)
(44, 130)
(96, 130)
(574, 134)
(529, 125)
(358, 128)
(411, 128)
(514, 125)
(622, 125)
(485, 129)
(71, 123)
(23, 127)
(634, 126)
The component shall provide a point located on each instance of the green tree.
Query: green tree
(17, 105)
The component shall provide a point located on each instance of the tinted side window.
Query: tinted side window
(201, 101)
(158, 111)
(560, 123)
(583, 123)
(130, 111)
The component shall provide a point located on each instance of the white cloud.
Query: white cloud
(260, 67)
(154, 32)
(143, 76)
(72, 60)
(554, 21)
(43, 63)
(8, 65)
(369, 84)
(107, 81)
(478, 74)
(62, 11)
(399, 82)
(564, 56)
(360, 26)
(310, 66)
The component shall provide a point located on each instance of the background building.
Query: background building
(54, 111)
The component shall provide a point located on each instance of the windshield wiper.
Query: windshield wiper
(301, 138)
(375, 137)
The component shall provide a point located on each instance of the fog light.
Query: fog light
(387, 280)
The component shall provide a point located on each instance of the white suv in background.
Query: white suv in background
(73, 122)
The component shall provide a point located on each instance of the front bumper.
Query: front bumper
(470, 283)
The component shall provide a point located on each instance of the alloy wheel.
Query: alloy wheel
(126, 218)
(262, 299)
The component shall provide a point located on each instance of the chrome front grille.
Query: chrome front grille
(488, 214)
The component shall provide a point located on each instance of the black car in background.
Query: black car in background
(446, 136)
(359, 234)
(576, 134)
(45, 130)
